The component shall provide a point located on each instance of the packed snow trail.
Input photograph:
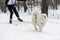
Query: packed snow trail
(25, 31)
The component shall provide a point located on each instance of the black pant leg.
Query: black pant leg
(10, 10)
(15, 11)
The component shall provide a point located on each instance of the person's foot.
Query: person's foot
(20, 19)
(10, 21)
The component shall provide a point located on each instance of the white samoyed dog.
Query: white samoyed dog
(38, 20)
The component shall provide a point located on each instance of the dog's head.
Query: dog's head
(44, 16)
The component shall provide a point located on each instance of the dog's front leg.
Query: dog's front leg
(35, 26)
(40, 27)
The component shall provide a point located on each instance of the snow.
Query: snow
(25, 30)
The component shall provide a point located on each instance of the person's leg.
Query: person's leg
(11, 13)
(16, 13)
(25, 6)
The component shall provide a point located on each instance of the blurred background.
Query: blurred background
(52, 4)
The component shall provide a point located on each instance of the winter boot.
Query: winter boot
(20, 19)
(10, 21)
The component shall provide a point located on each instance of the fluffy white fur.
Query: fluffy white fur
(38, 20)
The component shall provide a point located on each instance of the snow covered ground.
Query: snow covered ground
(25, 30)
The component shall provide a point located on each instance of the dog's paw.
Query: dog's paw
(40, 30)
(36, 29)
